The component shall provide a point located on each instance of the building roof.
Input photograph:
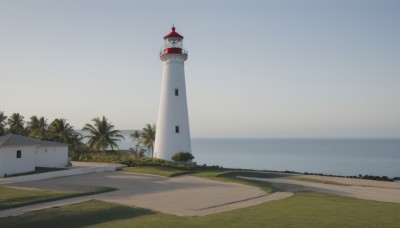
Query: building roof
(19, 140)
(173, 34)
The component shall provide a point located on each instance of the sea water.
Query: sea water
(378, 157)
(348, 157)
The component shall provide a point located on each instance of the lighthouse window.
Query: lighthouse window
(176, 92)
(19, 154)
(176, 129)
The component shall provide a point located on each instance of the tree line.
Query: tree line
(101, 134)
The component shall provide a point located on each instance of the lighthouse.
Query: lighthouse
(173, 133)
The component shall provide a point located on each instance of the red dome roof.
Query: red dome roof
(173, 34)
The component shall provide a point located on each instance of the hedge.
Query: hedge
(131, 161)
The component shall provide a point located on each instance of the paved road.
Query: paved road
(184, 196)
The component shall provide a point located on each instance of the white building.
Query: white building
(20, 154)
(173, 134)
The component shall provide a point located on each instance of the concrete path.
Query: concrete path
(388, 193)
(183, 196)
(187, 195)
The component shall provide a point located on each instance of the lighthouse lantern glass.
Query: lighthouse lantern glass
(173, 43)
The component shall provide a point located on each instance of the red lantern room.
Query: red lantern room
(173, 44)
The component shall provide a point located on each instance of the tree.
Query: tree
(61, 131)
(145, 137)
(16, 124)
(182, 157)
(137, 152)
(3, 123)
(148, 136)
(37, 127)
(101, 134)
(135, 135)
(77, 145)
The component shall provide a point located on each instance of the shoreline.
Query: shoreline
(360, 176)
(347, 157)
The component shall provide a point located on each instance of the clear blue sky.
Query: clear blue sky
(255, 68)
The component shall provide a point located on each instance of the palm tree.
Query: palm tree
(43, 126)
(145, 137)
(137, 152)
(16, 124)
(61, 131)
(37, 127)
(148, 137)
(135, 135)
(76, 144)
(102, 134)
(3, 123)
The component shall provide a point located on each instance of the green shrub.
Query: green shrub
(131, 161)
(182, 157)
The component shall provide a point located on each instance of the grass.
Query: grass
(160, 171)
(317, 181)
(224, 175)
(12, 197)
(302, 210)
(231, 176)
(333, 182)
(37, 170)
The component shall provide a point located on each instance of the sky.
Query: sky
(255, 68)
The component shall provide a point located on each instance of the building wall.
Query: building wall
(52, 157)
(173, 111)
(10, 164)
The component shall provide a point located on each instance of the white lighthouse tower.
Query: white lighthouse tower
(173, 134)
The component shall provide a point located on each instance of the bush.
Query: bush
(131, 161)
(182, 157)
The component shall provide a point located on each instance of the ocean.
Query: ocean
(347, 157)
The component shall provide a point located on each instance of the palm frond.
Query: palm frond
(101, 134)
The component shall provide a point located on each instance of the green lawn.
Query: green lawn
(302, 210)
(231, 176)
(160, 171)
(37, 170)
(225, 175)
(11, 197)
(317, 181)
